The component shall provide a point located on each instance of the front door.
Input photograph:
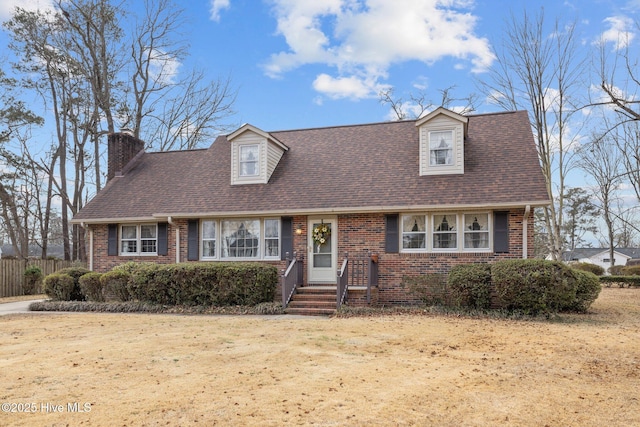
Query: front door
(322, 250)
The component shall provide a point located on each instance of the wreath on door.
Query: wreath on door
(321, 233)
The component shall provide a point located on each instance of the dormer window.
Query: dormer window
(441, 147)
(249, 155)
(255, 154)
(442, 134)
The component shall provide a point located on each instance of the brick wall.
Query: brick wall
(358, 234)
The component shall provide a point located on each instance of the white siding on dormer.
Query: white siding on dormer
(270, 153)
(274, 154)
(442, 123)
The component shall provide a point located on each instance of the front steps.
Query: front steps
(313, 300)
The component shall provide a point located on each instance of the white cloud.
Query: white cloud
(353, 87)
(619, 33)
(365, 37)
(163, 68)
(216, 7)
(7, 7)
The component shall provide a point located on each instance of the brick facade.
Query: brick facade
(358, 234)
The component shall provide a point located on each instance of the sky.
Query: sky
(313, 63)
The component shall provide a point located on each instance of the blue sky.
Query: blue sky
(308, 63)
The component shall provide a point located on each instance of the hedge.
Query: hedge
(620, 280)
(470, 285)
(534, 286)
(217, 284)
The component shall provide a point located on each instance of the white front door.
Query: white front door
(322, 250)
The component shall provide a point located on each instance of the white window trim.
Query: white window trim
(261, 245)
(138, 240)
(429, 224)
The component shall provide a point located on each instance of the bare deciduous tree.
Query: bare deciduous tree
(539, 71)
(418, 103)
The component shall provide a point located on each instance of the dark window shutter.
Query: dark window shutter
(391, 239)
(193, 240)
(112, 239)
(286, 238)
(501, 231)
(163, 231)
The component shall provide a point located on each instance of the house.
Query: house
(415, 196)
(601, 256)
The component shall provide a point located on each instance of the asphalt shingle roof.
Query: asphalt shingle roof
(347, 168)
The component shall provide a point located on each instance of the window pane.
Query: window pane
(413, 232)
(249, 155)
(148, 246)
(271, 248)
(240, 238)
(148, 231)
(441, 148)
(129, 232)
(208, 239)
(272, 237)
(444, 232)
(129, 246)
(208, 229)
(271, 228)
(209, 248)
(476, 231)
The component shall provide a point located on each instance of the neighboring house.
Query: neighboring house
(601, 256)
(423, 195)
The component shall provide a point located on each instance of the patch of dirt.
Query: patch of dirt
(101, 369)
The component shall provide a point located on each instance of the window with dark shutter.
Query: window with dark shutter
(192, 240)
(163, 244)
(286, 242)
(501, 232)
(391, 235)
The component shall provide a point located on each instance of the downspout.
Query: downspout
(170, 221)
(82, 224)
(525, 232)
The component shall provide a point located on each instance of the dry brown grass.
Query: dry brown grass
(580, 370)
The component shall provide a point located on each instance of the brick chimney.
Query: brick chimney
(122, 148)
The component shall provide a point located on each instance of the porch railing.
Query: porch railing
(291, 277)
(357, 271)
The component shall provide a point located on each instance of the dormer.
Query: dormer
(442, 134)
(254, 155)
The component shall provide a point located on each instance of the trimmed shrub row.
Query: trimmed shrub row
(203, 284)
(620, 280)
(529, 286)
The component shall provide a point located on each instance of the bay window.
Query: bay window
(240, 238)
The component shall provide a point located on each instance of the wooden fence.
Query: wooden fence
(12, 272)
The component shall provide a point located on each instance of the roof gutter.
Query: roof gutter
(172, 216)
